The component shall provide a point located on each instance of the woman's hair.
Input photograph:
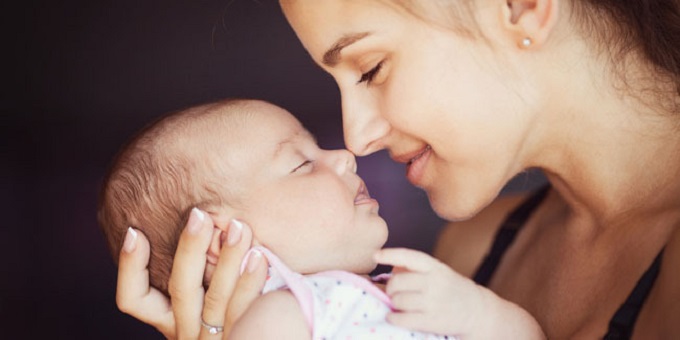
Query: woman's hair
(621, 28)
(649, 28)
(154, 182)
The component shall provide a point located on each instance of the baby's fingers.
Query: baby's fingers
(134, 296)
(428, 323)
(410, 302)
(410, 259)
(406, 282)
(410, 320)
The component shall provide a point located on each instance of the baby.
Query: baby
(310, 213)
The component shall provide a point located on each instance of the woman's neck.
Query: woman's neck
(612, 158)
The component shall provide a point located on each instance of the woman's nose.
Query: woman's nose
(364, 127)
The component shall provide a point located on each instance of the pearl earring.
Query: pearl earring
(526, 42)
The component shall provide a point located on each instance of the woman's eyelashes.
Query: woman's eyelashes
(302, 166)
(370, 75)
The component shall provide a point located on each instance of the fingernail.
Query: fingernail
(130, 240)
(254, 260)
(234, 233)
(195, 222)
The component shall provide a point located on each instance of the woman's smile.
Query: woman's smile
(415, 168)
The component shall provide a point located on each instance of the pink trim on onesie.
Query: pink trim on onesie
(293, 281)
(364, 318)
(359, 282)
(303, 294)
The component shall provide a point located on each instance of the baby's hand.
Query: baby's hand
(429, 296)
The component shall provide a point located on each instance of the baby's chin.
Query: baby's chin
(358, 265)
(368, 269)
(365, 266)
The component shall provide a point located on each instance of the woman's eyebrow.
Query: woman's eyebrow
(332, 56)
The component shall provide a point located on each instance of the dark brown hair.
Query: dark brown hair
(650, 28)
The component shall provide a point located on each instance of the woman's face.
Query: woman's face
(450, 107)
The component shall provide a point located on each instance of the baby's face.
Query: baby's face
(306, 204)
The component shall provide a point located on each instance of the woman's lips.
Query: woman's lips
(415, 168)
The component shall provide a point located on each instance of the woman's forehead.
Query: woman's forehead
(323, 24)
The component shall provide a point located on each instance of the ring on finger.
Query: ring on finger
(212, 329)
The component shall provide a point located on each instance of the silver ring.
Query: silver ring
(212, 329)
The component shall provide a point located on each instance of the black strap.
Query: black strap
(506, 234)
(622, 324)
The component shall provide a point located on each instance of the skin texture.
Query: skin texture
(484, 108)
(404, 109)
(297, 198)
(489, 108)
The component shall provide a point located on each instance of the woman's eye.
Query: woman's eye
(370, 75)
(304, 164)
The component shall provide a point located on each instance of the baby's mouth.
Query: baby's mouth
(362, 194)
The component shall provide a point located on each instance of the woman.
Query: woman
(468, 94)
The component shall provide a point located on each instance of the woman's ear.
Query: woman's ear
(530, 22)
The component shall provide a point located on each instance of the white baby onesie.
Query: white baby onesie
(339, 304)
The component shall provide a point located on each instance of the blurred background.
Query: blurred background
(83, 77)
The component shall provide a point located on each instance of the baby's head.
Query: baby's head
(246, 160)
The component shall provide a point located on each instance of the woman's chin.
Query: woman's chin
(456, 208)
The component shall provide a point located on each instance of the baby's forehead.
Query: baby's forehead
(251, 126)
(253, 112)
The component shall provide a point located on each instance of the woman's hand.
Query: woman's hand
(228, 296)
(429, 296)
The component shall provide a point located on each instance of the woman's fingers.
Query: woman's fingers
(248, 288)
(235, 243)
(410, 259)
(186, 279)
(134, 296)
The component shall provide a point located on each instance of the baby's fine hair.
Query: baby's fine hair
(154, 182)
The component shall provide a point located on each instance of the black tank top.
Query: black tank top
(622, 323)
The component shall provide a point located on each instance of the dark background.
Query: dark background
(83, 76)
(87, 75)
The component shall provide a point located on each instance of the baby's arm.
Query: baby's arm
(275, 315)
(429, 296)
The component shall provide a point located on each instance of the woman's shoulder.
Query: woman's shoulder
(462, 245)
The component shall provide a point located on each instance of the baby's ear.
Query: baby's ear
(213, 254)
(223, 220)
(219, 236)
(215, 246)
